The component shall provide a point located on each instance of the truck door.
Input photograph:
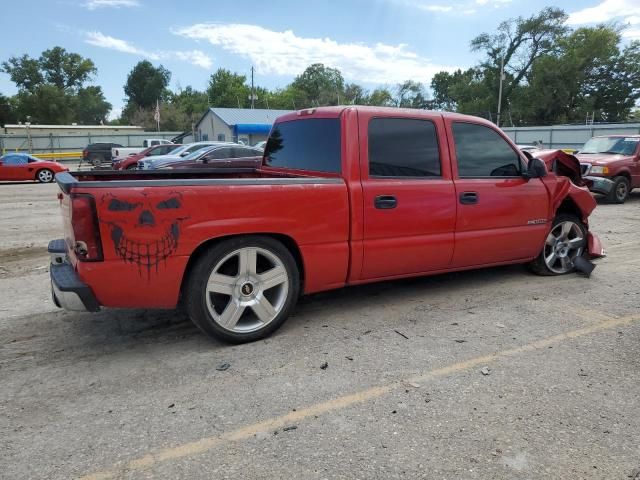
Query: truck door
(501, 215)
(409, 200)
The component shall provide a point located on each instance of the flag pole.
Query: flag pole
(157, 114)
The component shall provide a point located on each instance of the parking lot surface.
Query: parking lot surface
(495, 373)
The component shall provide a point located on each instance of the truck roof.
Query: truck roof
(333, 112)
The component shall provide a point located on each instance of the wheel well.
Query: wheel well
(287, 241)
(568, 206)
(625, 175)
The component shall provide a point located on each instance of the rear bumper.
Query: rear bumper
(600, 184)
(68, 291)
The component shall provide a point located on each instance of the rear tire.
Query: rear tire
(45, 176)
(242, 289)
(620, 191)
(566, 240)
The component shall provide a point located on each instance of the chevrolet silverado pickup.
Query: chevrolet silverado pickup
(344, 196)
(612, 163)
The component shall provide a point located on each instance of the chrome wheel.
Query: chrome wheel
(45, 176)
(247, 289)
(564, 243)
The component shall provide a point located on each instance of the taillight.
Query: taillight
(86, 231)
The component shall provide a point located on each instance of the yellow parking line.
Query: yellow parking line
(206, 444)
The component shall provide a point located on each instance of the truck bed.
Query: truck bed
(177, 177)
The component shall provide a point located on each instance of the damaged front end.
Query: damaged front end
(570, 184)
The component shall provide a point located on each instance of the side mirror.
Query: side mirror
(184, 154)
(535, 169)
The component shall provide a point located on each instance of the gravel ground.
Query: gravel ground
(495, 373)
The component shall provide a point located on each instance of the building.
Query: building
(244, 125)
(72, 130)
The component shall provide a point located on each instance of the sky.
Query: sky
(372, 42)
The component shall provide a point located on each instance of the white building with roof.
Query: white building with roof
(244, 125)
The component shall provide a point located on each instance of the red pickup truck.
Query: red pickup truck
(345, 196)
(612, 163)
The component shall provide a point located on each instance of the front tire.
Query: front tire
(242, 289)
(620, 190)
(566, 240)
(45, 176)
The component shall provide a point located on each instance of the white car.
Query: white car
(179, 153)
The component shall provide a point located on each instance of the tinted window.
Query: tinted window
(402, 147)
(220, 153)
(312, 144)
(245, 152)
(482, 152)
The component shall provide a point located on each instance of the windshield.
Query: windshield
(312, 144)
(613, 145)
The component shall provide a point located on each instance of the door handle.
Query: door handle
(469, 198)
(385, 202)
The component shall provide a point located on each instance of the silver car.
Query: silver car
(178, 154)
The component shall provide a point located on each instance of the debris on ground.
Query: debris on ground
(584, 266)
(223, 366)
(635, 474)
(460, 341)
(324, 366)
(401, 334)
(485, 371)
(500, 325)
(172, 405)
(290, 427)
(349, 358)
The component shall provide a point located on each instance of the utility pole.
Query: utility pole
(500, 90)
(253, 97)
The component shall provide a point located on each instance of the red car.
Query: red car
(346, 196)
(131, 162)
(21, 166)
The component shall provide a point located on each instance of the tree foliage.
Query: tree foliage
(551, 73)
(146, 85)
(51, 89)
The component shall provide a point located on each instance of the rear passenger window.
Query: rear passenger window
(482, 152)
(403, 147)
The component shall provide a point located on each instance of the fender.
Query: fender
(565, 180)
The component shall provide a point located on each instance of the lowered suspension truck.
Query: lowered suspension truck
(344, 196)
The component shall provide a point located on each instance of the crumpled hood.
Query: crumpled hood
(562, 163)
(601, 157)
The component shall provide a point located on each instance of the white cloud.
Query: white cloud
(285, 53)
(625, 11)
(468, 7)
(94, 4)
(194, 57)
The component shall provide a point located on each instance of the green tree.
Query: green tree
(319, 85)
(410, 94)
(227, 89)
(520, 42)
(146, 85)
(52, 88)
(381, 97)
(91, 107)
(7, 113)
